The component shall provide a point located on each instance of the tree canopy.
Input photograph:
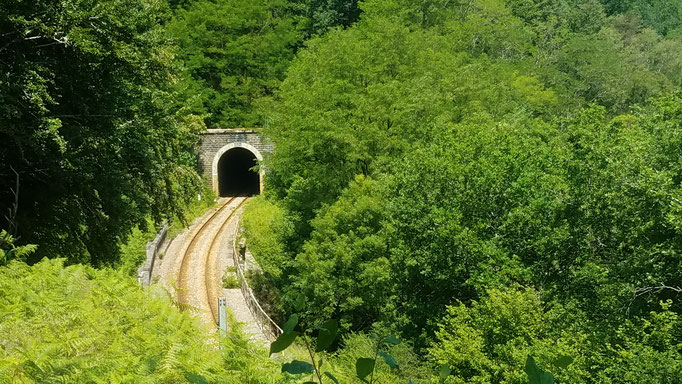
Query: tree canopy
(88, 124)
(439, 156)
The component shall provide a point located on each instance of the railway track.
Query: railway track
(195, 257)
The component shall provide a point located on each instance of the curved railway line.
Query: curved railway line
(193, 255)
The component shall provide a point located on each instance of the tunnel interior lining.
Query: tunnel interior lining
(236, 176)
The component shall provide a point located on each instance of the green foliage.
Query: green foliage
(195, 208)
(298, 367)
(9, 251)
(362, 346)
(283, 341)
(265, 227)
(246, 360)
(326, 334)
(343, 270)
(349, 364)
(230, 280)
(436, 152)
(322, 15)
(536, 375)
(490, 340)
(234, 52)
(134, 251)
(78, 324)
(267, 293)
(451, 205)
(614, 66)
(356, 97)
(497, 181)
(90, 124)
(364, 366)
(665, 16)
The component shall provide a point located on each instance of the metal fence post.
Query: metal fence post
(222, 313)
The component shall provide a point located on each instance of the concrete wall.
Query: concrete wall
(215, 142)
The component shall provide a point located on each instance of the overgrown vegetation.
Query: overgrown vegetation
(358, 362)
(134, 251)
(497, 182)
(91, 125)
(230, 279)
(202, 201)
(79, 324)
(490, 180)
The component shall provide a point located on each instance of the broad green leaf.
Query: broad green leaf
(290, 324)
(363, 367)
(389, 359)
(444, 371)
(283, 341)
(537, 375)
(563, 361)
(329, 375)
(327, 335)
(298, 367)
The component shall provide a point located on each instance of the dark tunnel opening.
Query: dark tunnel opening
(235, 176)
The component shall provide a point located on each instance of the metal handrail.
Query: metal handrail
(265, 323)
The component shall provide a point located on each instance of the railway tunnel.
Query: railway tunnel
(227, 158)
(237, 173)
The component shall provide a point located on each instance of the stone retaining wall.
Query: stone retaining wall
(144, 273)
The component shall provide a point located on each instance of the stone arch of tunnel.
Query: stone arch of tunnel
(233, 171)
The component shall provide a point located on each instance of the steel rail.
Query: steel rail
(182, 291)
(213, 304)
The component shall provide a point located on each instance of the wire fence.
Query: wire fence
(269, 328)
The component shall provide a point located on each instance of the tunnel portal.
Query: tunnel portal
(236, 175)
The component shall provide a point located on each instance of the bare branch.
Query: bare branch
(52, 41)
(639, 291)
(11, 219)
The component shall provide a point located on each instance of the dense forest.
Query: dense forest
(486, 180)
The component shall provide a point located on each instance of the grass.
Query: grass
(230, 280)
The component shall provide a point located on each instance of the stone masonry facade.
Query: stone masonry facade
(215, 142)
